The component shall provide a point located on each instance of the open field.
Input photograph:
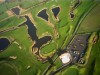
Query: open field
(11, 22)
(92, 22)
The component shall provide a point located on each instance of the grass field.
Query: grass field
(11, 22)
(92, 22)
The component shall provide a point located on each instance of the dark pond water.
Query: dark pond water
(76, 4)
(56, 11)
(43, 14)
(16, 10)
(42, 41)
(71, 15)
(31, 29)
(4, 43)
(32, 32)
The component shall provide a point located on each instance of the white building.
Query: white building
(65, 58)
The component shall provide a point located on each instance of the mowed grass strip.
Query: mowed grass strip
(11, 22)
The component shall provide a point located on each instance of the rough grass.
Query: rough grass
(92, 21)
(11, 22)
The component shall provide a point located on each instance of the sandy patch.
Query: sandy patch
(2, 1)
(10, 13)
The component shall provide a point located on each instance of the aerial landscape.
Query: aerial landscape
(49, 37)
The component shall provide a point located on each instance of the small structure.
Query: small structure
(13, 57)
(65, 58)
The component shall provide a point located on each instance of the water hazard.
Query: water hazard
(32, 32)
(16, 10)
(43, 14)
(4, 43)
(56, 11)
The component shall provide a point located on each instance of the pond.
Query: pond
(31, 29)
(42, 41)
(71, 15)
(55, 11)
(4, 43)
(77, 3)
(32, 32)
(43, 14)
(16, 10)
